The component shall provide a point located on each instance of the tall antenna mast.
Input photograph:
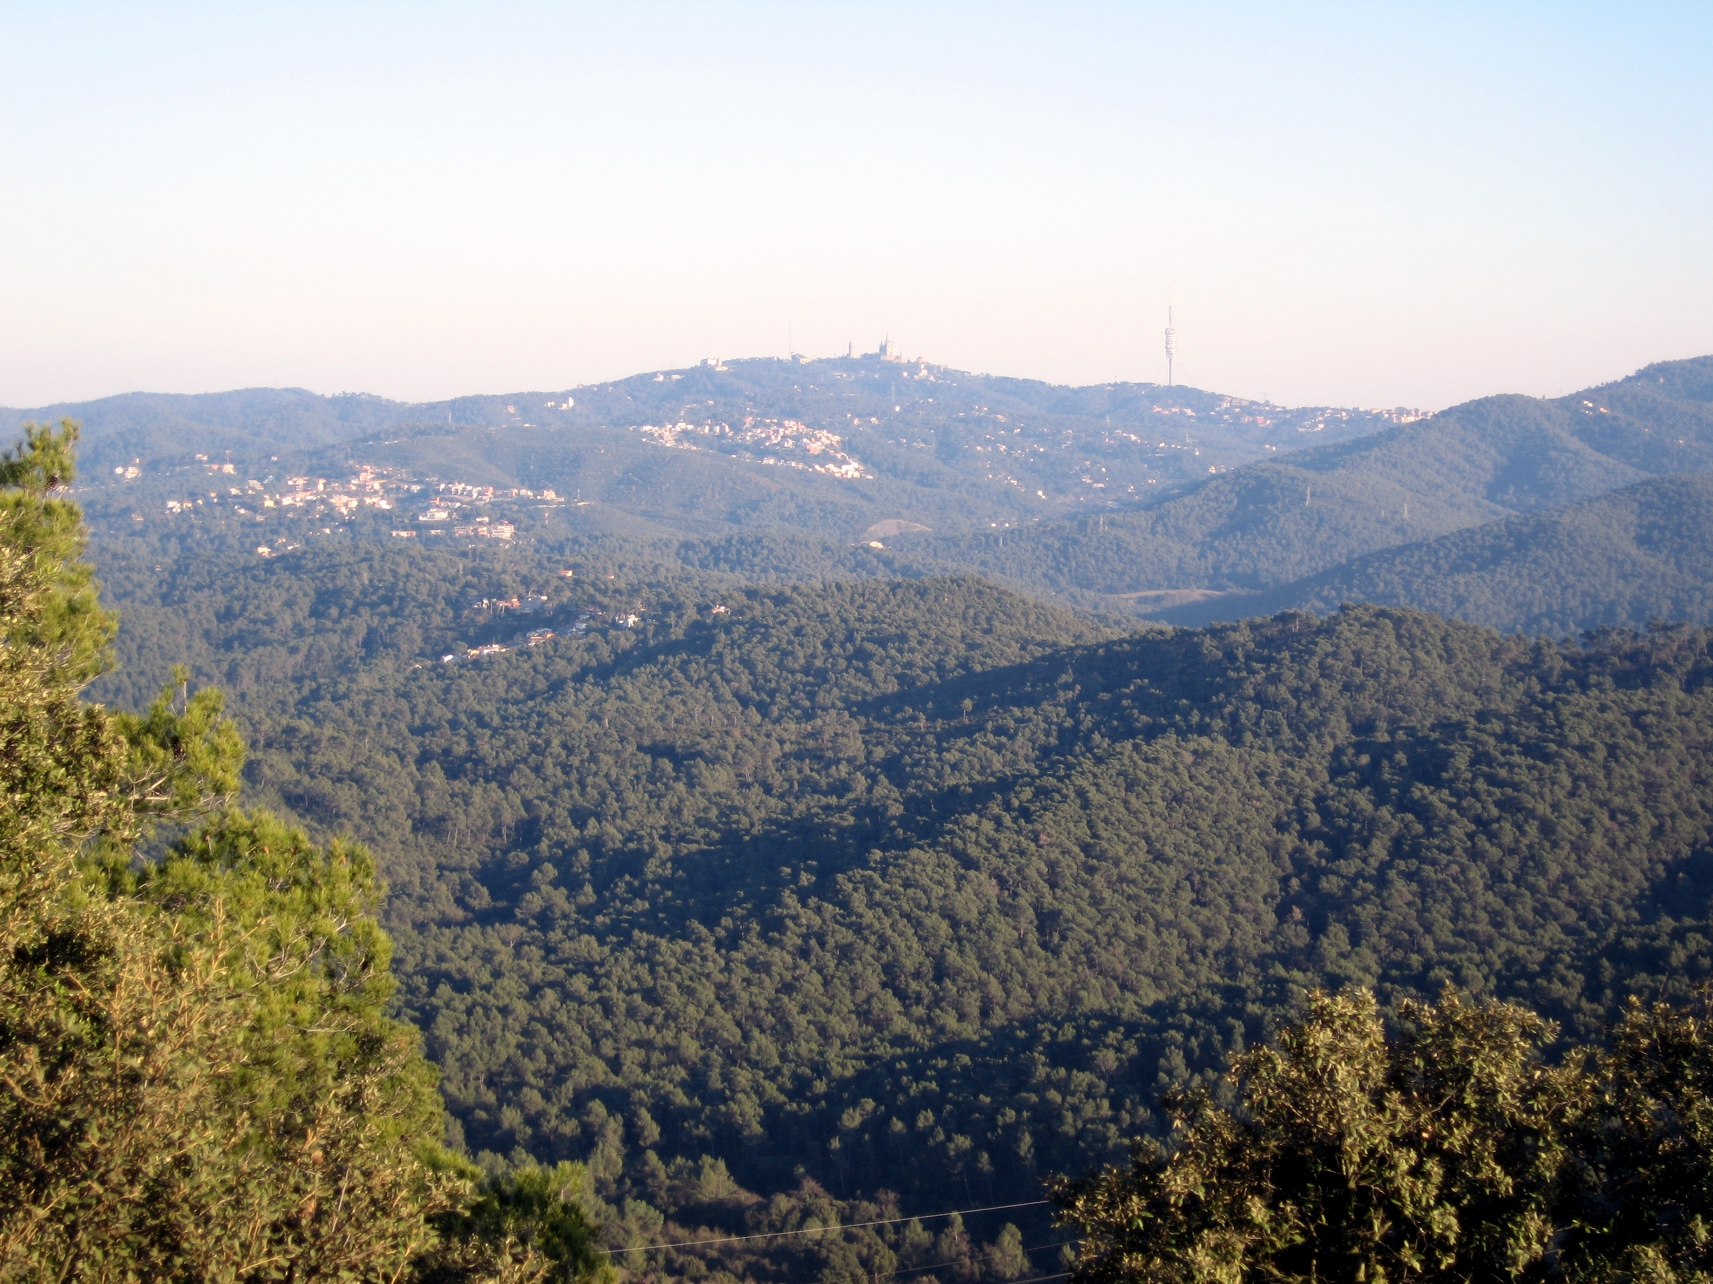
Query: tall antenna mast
(1171, 344)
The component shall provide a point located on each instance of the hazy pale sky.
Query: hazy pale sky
(1352, 204)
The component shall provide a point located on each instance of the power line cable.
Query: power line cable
(816, 1230)
(934, 1266)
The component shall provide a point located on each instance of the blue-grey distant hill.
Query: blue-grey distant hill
(1269, 524)
(1173, 503)
(741, 445)
(148, 427)
(1625, 559)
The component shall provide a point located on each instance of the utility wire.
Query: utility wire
(816, 1230)
(934, 1266)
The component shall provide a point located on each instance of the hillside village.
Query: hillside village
(848, 429)
(432, 507)
(782, 438)
(1097, 445)
(1156, 438)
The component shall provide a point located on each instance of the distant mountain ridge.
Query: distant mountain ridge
(1274, 522)
(1623, 559)
(149, 426)
(746, 443)
(1100, 498)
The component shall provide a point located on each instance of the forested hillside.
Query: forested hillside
(1060, 493)
(762, 867)
(199, 1078)
(1639, 554)
(922, 886)
(826, 448)
(1268, 524)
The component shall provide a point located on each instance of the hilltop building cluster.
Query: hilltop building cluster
(453, 506)
(784, 440)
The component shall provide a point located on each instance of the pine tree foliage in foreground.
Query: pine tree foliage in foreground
(1445, 1151)
(198, 1080)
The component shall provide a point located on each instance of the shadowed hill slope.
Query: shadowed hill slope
(1166, 501)
(1636, 555)
(1267, 524)
(913, 869)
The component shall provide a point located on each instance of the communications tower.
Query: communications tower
(1171, 344)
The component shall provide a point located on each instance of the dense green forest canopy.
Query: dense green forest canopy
(795, 866)
(1445, 1147)
(921, 886)
(198, 1076)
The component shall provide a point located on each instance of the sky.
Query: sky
(1360, 204)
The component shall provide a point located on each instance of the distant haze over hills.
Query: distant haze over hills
(954, 449)
(1128, 498)
(1268, 524)
(1624, 559)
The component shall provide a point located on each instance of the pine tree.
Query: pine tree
(198, 1078)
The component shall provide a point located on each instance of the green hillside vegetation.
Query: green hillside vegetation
(198, 1076)
(1639, 554)
(885, 888)
(1267, 524)
(1445, 1148)
(935, 446)
(258, 626)
(778, 905)
(924, 888)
